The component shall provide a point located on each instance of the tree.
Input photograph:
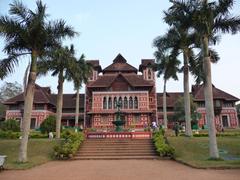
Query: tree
(209, 19)
(79, 74)
(179, 112)
(178, 40)
(48, 125)
(9, 90)
(26, 32)
(60, 62)
(168, 67)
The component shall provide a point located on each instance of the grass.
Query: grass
(194, 151)
(39, 151)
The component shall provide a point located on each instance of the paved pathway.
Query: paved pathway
(118, 170)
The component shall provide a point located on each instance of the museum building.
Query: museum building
(134, 90)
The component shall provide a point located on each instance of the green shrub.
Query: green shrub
(48, 125)
(70, 145)
(164, 149)
(10, 125)
(16, 135)
(218, 134)
(36, 135)
(9, 135)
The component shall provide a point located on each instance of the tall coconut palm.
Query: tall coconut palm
(27, 32)
(167, 66)
(209, 19)
(79, 75)
(178, 40)
(60, 62)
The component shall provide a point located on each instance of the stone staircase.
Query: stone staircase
(116, 149)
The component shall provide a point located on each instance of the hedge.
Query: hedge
(162, 147)
(69, 146)
(16, 135)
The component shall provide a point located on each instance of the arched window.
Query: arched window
(130, 103)
(110, 103)
(104, 103)
(120, 101)
(149, 74)
(125, 104)
(135, 103)
(115, 103)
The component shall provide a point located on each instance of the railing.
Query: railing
(118, 135)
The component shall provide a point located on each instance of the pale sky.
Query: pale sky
(128, 27)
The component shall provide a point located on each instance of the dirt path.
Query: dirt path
(118, 170)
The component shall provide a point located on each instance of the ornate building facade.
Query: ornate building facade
(121, 83)
(134, 89)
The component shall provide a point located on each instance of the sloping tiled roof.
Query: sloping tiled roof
(69, 100)
(120, 65)
(133, 79)
(171, 98)
(42, 95)
(198, 94)
(136, 80)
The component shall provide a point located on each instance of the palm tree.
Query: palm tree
(209, 19)
(168, 67)
(60, 62)
(27, 33)
(79, 74)
(177, 40)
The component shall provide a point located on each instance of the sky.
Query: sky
(108, 28)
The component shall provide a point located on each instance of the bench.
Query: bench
(2, 160)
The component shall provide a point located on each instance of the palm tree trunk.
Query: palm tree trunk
(77, 108)
(213, 148)
(165, 105)
(28, 104)
(187, 107)
(59, 104)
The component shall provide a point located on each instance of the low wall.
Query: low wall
(118, 135)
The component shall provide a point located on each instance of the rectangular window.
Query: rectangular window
(225, 121)
(150, 99)
(217, 103)
(13, 107)
(33, 123)
(39, 106)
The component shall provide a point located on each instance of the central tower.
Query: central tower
(121, 82)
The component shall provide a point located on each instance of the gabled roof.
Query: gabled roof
(42, 95)
(146, 63)
(171, 99)
(120, 65)
(69, 100)
(133, 79)
(198, 94)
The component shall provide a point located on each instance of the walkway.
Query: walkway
(118, 170)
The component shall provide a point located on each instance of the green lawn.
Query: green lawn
(194, 151)
(39, 151)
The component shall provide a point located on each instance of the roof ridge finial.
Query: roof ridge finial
(119, 59)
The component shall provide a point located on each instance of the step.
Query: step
(116, 149)
(113, 142)
(114, 157)
(117, 154)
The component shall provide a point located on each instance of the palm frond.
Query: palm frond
(227, 24)
(18, 9)
(223, 7)
(7, 65)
